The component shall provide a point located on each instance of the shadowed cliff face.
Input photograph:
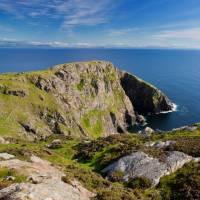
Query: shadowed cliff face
(87, 99)
(144, 97)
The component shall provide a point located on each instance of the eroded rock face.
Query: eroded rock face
(139, 164)
(44, 183)
(97, 92)
(15, 92)
(145, 97)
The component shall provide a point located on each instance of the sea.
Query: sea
(175, 72)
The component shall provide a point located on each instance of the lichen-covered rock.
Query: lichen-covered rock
(140, 164)
(44, 182)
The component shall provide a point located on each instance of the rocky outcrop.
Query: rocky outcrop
(44, 182)
(3, 141)
(87, 99)
(147, 132)
(187, 128)
(15, 92)
(6, 156)
(55, 144)
(160, 144)
(140, 164)
(145, 97)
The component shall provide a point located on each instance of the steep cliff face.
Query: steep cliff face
(88, 99)
(145, 97)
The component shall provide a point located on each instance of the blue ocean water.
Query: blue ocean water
(175, 72)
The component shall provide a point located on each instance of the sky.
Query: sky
(100, 23)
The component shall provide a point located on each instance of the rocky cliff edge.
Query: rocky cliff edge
(87, 99)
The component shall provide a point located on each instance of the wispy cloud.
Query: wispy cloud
(86, 12)
(71, 12)
(121, 32)
(189, 33)
(12, 43)
(6, 42)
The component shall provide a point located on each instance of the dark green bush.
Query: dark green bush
(190, 146)
(185, 184)
(89, 179)
(139, 183)
(116, 176)
(117, 193)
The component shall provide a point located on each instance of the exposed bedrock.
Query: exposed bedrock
(140, 164)
(145, 97)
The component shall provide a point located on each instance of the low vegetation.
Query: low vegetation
(9, 176)
(189, 146)
(184, 184)
(83, 160)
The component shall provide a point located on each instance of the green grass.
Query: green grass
(23, 149)
(5, 172)
(81, 85)
(100, 152)
(15, 109)
(92, 122)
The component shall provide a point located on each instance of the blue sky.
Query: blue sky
(103, 23)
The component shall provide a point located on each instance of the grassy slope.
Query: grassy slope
(15, 109)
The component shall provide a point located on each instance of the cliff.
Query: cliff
(87, 99)
(145, 97)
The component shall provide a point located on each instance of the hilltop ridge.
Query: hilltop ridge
(83, 99)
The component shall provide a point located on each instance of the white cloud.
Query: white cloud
(87, 12)
(189, 33)
(121, 32)
(6, 42)
(71, 12)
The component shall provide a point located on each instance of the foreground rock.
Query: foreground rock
(140, 164)
(44, 183)
(87, 99)
(6, 156)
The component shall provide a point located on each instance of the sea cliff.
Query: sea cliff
(83, 99)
